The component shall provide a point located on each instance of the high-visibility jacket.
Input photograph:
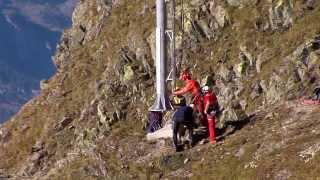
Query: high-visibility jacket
(191, 86)
(209, 101)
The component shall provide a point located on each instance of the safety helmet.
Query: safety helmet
(205, 89)
(179, 100)
(185, 75)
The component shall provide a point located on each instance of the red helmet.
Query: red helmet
(185, 75)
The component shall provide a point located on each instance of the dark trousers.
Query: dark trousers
(177, 124)
(198, 105)
(317, 94)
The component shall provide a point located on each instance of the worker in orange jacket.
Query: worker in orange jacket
(210, 109)
(193, 87)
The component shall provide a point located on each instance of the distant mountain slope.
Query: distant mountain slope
(15, 89)
(29, 33)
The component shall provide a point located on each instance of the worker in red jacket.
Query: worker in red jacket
(210, 109)
(193, 87)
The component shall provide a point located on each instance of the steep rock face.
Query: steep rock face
(88, 120)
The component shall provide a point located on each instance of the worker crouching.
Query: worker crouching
(182, 118)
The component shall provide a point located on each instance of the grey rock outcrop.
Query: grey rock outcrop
(235, 3)
(280, 15)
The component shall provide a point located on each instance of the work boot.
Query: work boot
(179, 148)
(203, 141)
(213, 142)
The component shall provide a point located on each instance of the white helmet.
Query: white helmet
(205, 89)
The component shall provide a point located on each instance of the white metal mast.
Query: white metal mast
(162, 102)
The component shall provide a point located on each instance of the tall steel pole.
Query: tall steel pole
(173, 46)
(162, 102)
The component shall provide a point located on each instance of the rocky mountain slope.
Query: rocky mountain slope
(29, 32)
(87, 123)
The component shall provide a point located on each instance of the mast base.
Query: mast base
(162, 103)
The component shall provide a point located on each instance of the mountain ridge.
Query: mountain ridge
(260, 57)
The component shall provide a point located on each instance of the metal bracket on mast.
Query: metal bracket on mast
(170, 34)
(169, 78)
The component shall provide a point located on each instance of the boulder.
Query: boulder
(228, 74)
(38, 146)
(293, 80)
(204, 29)
(128, 74)
(275, 90)
(4, 135)
(231, 114)
(225, 95)
(221, 15)
(63, 123)
(263, 58)
(4, 175)
(235, 3)
(152, 44)
(310, 4)
(245, 55)
(78, 36)
(163, 133)
(242, 68)
(256, 90)
(44, 84)
(280, 15)
(284, 174)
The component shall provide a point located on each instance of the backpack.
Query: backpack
(215, 111)
(215, 108)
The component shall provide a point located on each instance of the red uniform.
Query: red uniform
(209, 101)
(193, 87)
